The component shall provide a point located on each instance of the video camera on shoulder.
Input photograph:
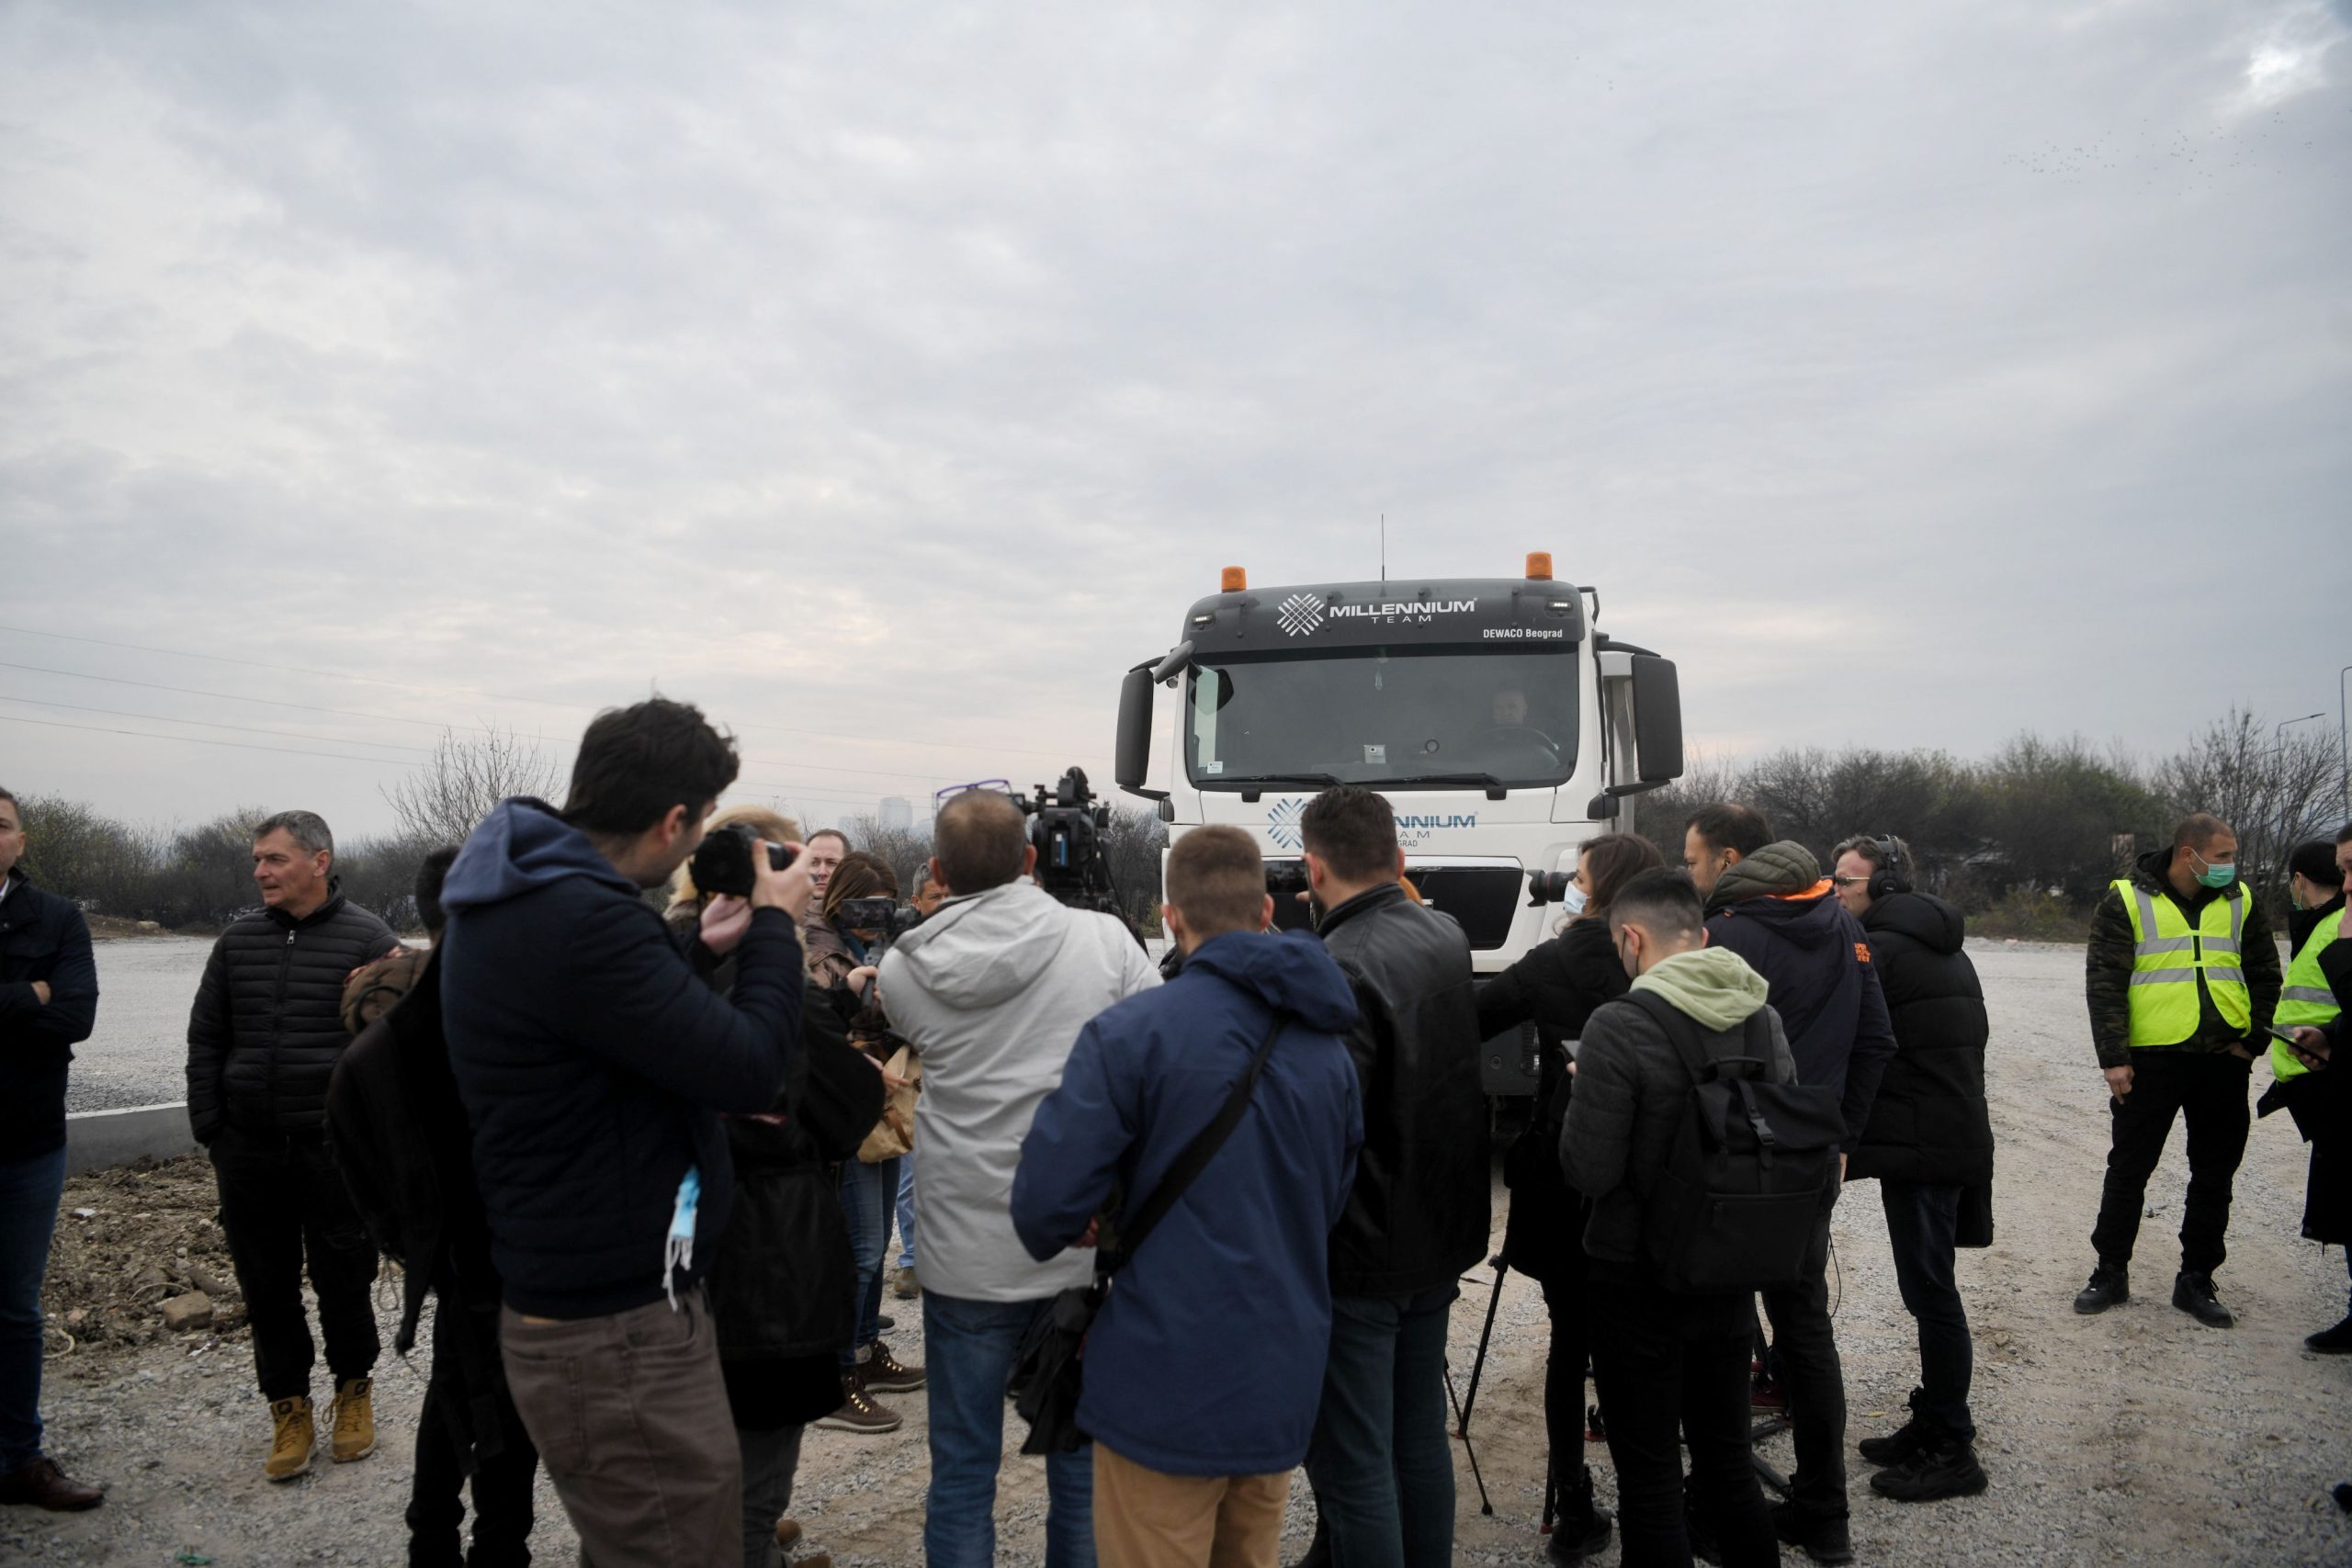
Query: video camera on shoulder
(722, 864)
(1067, 824)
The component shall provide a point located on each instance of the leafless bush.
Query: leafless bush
(446, 798)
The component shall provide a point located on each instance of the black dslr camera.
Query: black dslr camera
(1067, 827)
(722, 864)
(1548, 887)
(885, 915)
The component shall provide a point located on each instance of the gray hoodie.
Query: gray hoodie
(992, 991)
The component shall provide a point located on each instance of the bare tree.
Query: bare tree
(445, 799)
(2274, 791)
(904, 850)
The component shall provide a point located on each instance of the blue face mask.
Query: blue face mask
(2215, 875)
(1572, 900)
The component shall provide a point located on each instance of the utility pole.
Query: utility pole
(2343, 745)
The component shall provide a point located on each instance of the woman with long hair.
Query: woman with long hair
(836, 950)
(1555, 988)
(782, 1289)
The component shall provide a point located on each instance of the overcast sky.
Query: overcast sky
(892, 377)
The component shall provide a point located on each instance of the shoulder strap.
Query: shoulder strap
(1194, 1157)
(1681, 1032)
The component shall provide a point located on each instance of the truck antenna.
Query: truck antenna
(1383, 547)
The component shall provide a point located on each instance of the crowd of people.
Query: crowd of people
(640, 1145)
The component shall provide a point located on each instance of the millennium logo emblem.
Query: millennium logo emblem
(1301, 613)
(1282, 823)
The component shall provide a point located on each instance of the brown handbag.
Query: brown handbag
(895, 1133)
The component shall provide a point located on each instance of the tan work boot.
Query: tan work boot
(355, 1419)
(290, 1444)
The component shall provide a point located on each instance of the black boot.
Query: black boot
(1945, 1466)
(2110, 1286)
(2192, 1293)
(1903, 1444)
(2335, 1341)
(1825, 1538)
(1582, 1528)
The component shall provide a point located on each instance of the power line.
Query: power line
(455, 691)
(380, 719)
(208, 724)
(199, 740)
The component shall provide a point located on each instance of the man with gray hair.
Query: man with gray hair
(262, 1045)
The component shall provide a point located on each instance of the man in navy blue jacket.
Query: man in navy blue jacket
(1768, 902)
(1204, 1368)
(593, 1063)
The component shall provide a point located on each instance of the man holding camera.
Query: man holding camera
(1417, 1215)
(992, 991)
(593, 1063)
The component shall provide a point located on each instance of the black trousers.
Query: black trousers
(1564, 1302)
(468, 1421)
(1804, 1352)
(282, 1202)
(1922, 1222)
(1662, 1364)
(2208, 1092)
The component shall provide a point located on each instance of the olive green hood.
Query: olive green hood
(1713, 987)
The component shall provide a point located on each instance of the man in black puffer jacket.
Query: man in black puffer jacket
(1929, 1142)
(1379, 1460)
(262, 1041)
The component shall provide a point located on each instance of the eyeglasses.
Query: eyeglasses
(1002, 786)
(1847, 881)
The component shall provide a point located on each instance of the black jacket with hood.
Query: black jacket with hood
(1928, 1123)
(44, 938)
(1419, 1213)
(2107, 981)
(784, 1285)
(1556, 987)
(1775, 909)
(267, 1027)
(592, 1062)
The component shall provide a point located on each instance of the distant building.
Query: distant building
(896, 813)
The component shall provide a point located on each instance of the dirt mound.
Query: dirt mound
(130, 1240)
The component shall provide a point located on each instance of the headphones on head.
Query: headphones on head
(1891, 875)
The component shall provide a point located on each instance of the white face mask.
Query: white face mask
(1572, 900)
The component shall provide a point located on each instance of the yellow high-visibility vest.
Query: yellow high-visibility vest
(2167, 957)
(2306, 999)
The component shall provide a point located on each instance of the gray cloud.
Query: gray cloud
(1914, 376)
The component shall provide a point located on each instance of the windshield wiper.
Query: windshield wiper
(1253, 783)
(1495, 789)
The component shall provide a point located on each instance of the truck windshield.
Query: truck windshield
(1385, 717)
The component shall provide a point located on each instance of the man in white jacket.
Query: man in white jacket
(992, 991)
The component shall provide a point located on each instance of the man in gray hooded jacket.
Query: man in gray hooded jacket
(992, 991)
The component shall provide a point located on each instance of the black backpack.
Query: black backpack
(1736, 1205)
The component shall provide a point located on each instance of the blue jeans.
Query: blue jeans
(1921, 1222)
(907, 1210)
(1380, 1461)
(969, 1348)
(865, 1203)
(29, 1189)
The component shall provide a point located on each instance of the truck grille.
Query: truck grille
(1483, 898)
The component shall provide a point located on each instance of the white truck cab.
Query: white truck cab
(1502, 725)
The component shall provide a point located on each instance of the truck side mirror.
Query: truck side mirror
(1132, 763)
(1657, 719)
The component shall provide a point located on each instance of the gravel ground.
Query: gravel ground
(2134, 1436)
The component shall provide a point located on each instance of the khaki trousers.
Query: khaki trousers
(630, 1417)
(1146, 1519)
